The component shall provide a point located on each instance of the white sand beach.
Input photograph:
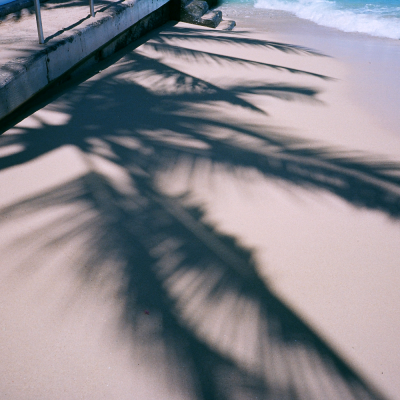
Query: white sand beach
(212, 215)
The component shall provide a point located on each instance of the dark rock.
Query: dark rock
(211, 19)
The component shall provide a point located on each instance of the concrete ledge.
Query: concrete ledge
(24, 77)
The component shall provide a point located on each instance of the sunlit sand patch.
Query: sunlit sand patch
(44, 117)
(52, 117)
(12, 149)
(46, 172)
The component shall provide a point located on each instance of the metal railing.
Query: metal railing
(39, 18)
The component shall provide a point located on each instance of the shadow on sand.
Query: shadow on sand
(200, 286)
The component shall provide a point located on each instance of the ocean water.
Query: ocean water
(373, 17)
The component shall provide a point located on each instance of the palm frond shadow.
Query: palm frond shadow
(218, 317)
(198, 56)
(239, 40)
(215, 315)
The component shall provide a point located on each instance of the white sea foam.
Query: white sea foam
(377, 21)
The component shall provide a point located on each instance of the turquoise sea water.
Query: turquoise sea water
(373, 17)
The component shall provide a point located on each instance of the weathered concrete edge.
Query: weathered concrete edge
(25, 77)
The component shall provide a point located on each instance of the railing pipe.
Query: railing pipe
(39, 18)
(91, 4)
(39, 21)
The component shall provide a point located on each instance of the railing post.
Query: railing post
(39, 21)
(91, 4)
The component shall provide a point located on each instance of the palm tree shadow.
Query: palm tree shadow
(174, 266)
(215, 315)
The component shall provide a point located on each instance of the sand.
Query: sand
(211, 215)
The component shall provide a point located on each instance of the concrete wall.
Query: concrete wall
(22, 78)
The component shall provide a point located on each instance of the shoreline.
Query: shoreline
(375, 60)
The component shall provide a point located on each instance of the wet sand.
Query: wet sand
(216, 214)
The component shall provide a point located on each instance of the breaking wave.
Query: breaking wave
(377, 18)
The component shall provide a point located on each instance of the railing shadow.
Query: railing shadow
(100, 6)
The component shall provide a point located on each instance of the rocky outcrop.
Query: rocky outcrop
(198, 12)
